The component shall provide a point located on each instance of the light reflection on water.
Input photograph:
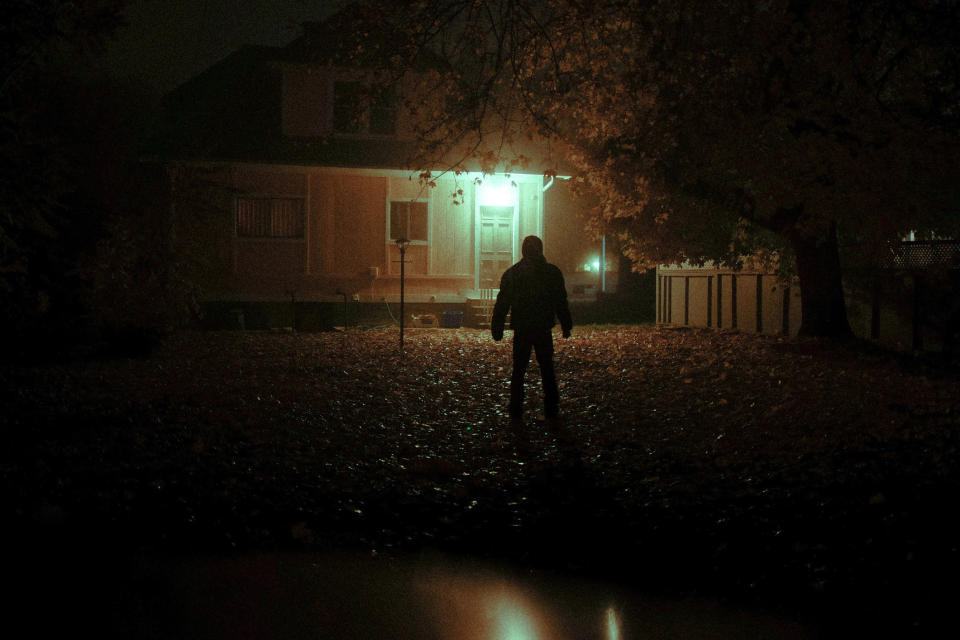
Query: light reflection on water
(334, 596)
(613, 624)
(481, 606)
(512, 621)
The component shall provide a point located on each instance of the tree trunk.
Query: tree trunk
(822, 301)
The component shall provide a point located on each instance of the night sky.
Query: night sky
(168, 41)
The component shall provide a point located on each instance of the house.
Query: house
(298, 168)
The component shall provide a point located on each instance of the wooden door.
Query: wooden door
(495, 254)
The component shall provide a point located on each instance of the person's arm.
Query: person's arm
(501, 308)
(562, 308)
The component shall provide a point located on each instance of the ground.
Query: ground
(813, 481)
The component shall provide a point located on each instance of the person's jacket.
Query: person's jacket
(534, 291)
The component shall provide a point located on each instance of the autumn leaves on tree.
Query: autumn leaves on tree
(702, 131)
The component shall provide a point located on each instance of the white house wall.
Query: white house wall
(452, 228)
(345, 246)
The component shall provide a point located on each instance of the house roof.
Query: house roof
(233, 110)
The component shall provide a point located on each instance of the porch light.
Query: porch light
(496, 194)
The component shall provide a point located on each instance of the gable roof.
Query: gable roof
(233, 110)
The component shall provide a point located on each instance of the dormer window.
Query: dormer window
(360, 109)
(383, 114)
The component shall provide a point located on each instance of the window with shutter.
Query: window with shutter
(268, 217)
(409, 221)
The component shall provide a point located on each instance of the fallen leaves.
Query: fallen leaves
(729, 448)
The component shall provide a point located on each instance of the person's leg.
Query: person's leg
(521, 356)
(551, 395)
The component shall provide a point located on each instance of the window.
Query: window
(360, 109)
(408, 220)
(259, 217)
(383, 114)
(346, 107)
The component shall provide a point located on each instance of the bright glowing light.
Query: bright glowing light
(513, 622)
(613, 624)
(596, 265)
(496, 194)
(485, 608)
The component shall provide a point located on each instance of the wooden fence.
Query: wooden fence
(705, 297)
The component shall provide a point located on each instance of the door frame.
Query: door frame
(502, 193)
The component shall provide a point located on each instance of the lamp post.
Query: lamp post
(402, 245)
(603, 264)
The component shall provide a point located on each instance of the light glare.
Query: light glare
(496, 195)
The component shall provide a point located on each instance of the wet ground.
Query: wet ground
(701, 484)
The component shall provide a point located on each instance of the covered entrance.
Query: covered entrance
(496, 233)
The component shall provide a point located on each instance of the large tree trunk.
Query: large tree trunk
(821, 288)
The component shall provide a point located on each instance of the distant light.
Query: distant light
(613, 624)
(596, 265)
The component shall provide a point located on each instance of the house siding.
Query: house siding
(359, 223)
(267, 263)
(322, 197)
(452, 249)
(306, 101)
(345, 246)
(529, 201)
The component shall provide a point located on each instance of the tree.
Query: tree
(49, 214)
(707, 130)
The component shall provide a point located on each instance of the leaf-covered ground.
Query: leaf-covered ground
(818, 481)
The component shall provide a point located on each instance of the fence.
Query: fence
(911, 302)
(709, 297)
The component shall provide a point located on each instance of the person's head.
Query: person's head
(532, 247)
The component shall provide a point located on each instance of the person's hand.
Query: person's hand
(497, 335)
(566, 333)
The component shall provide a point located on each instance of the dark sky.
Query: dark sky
(168, 41)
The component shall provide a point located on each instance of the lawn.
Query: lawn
(813, 480)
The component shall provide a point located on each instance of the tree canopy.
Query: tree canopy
(80, 238)
(706, 131)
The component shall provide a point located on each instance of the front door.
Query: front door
(496, 244)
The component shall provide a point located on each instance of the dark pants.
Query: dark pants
(541, 342)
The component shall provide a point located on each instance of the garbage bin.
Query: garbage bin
(452, 319)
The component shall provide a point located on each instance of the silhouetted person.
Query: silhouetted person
(535, 293)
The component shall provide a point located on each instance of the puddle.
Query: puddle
(316, 596)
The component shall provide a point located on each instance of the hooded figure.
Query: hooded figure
(533, 292)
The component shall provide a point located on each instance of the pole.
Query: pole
(402, 243)
(603, 264)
